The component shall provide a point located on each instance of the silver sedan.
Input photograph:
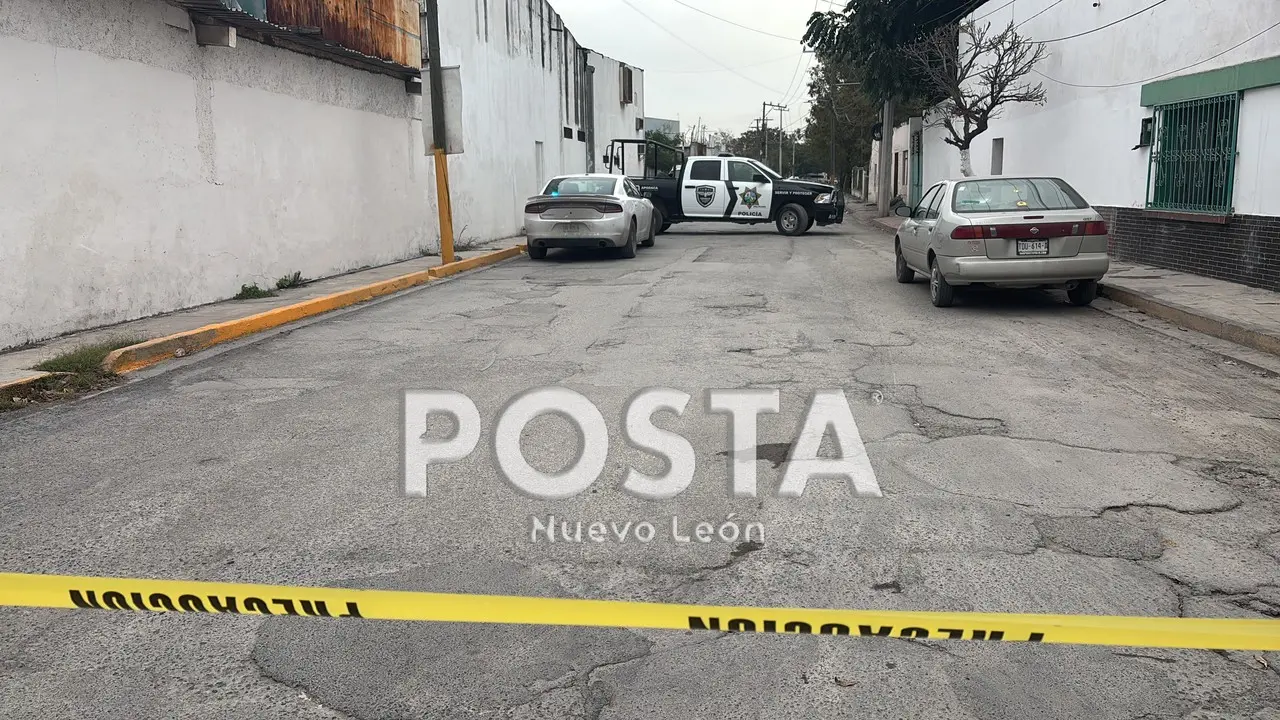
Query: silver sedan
(589, 211)
(1006, 232)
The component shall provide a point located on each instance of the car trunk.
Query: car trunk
(1036, 233)
(571, 207)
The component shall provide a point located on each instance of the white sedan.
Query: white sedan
(589, 211)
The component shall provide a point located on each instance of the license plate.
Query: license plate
(1033, 247)
(571, 228)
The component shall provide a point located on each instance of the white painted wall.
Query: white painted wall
(613, 118)
(141, 173)
(521, 79)
(901, 143)
(1086, 134)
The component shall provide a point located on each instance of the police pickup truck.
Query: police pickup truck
(722, 188)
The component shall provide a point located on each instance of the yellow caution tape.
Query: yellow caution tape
(71, 592)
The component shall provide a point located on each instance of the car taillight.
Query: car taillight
(535, 209)
(966, 232)
(609, 208)
(1097, 227)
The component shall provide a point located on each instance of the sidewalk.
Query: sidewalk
(16, 366)
(1226, 310)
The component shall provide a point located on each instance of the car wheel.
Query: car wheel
(792, 220)
(653, 231)
(660, 219)
(940, 291)
(1083, 293)
(536, 253)
(665, 227)
(809, 227)
(629, 250)
(905, 273)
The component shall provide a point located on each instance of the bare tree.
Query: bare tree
(977, 72)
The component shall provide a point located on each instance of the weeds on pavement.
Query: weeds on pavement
(72, 373)
(252, 292)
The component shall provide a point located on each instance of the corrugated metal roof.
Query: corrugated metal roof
(385, 29)
(322, 38)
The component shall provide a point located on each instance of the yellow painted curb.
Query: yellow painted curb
(453, 268)
(22, 382)
(136, 357)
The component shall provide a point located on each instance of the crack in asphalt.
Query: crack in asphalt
(1163, 506)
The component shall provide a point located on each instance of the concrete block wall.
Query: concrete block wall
(141, 173)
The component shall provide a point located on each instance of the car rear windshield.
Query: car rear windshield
(1015, 195)
(581, 186)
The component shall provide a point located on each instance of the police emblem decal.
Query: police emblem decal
(705, 195)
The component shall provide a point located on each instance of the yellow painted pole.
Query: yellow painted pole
(445, 206)
(439, 142)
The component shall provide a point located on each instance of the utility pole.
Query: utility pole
(886, 158)
(764, 132)
(781, 109)
(831, 136)
(436, 78)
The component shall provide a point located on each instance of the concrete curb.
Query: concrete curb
(151, 352)
(454, 268)
(1198, 320)
(22, 383)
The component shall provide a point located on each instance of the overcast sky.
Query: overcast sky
(686, 75)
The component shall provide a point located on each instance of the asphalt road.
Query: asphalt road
(1034, 457)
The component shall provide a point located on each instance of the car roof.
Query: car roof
(1003, 177)
(590, 175)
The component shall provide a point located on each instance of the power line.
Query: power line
(965, 10)
(1033, 17)
(1165, 74)
(1104, 27)
(793, 93)
(993, 12)
(721, 69)
(790, 90)
(744, 27)
(695, 48)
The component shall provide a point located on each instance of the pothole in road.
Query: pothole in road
(388, 669)
(1102, 537)
(775, 453)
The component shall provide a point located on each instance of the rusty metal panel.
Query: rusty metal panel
(385, 29)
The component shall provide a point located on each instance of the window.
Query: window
(705, 170)
(997, 156)
(1015, 195)
(921, 211)
(766, 171)
(936, 204)
(742, 172)
(1192, 165)
(581, 186)
(631, 189)
(627, 91)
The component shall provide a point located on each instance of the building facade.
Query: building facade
(159, 155)
(1167, 121)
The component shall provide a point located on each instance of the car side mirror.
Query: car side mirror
(606, 160)
(903, 211)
